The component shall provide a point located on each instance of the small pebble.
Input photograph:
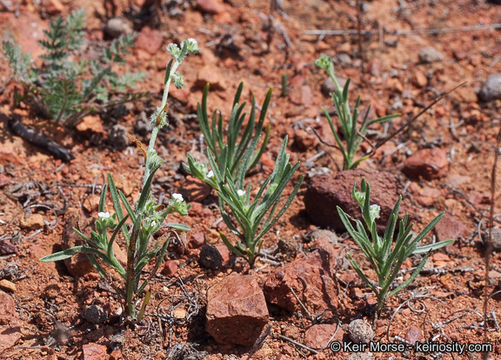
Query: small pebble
(95, 314)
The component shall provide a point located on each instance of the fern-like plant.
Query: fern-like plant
(68, 86)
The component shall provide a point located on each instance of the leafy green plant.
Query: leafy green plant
(238, 146)
(385, 257)
(353, 134)
(67, 86)
(248, 214)
(147, 217)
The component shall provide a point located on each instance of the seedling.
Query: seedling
(147, 217)
(248, 214)
(68, 86)
(353, 134)
(385, 257)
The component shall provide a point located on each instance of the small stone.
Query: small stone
(197, 239)
(8, 312)
(429, 55)
(210, 258)
(450, 228)
(419, 79)
(304, 141)
(117, 26)
(208, 74)
(413, 335)
(7, 285)
(52, 7)
(318, 336)
(360, 331)
(226, 255)
(344, 59)
(93, 351)
(236, 310)
(149, 40)
(91, 203)
(6, 248)
(496, 238)
(170, 268)
(91, 123)
(427, 164)
(180, 312)
(211, 6)
(95, 314)
(302, 96)
(33, 222)
(118, 137)
(491, 90)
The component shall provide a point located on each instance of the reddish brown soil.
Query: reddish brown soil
(50, 302)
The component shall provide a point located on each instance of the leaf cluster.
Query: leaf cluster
(68, 86)
(353, 134)
(385, 256)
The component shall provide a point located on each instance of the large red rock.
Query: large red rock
(427, 164)
(8, 312)
(236, 310)
(10, 331)
(325, 192)
(311, 279)
(149, 40)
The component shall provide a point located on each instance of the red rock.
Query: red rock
(427, 164)
(93, 351)
(450, 228)
(426, 196)
(211, 6)
(325, 192)
(7, 285)
(236, 310)
(79, 264)
(197, 239)
(226, 255)
(170, 268)
(304, 141)
(149, 40)
(209, 74)
(413, 335)
(302, 95)
(33, 222)
(52, 7)
(9, 336)
(91, 123)
(318, 336)
(311, 280)
(91, 203)
(8, 312)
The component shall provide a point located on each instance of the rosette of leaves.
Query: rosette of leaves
(67, 85)
(385, 255)
(137, 223)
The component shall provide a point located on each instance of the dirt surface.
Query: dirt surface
(52, 319)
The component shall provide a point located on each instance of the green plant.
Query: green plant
(385, 257)
(248, 214)
(67, 86)
(238, 147)
(353, 135)
(146, 217)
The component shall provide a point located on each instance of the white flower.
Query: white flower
(178, 197)
(104, 215)
(210, 174)
(240, 192)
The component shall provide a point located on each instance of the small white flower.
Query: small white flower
(210, 174)
(240, 192)
(104, 215)
(178, 197)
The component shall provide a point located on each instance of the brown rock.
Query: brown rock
(93, 351)
(79, 264)
(427, 164)
(6, 248)
(33, 222)
(52, 7)
(7, 285)
(149, 40)
(170, 268)
(304, 141)
(325, 192)
(302, 95)
(211, 6)
(450, 228)
(311, 280)
(413, 335)
(318, 336)
(9, 336)
(8, 312)
(236, 310)
(91, 123)
(91, 203)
